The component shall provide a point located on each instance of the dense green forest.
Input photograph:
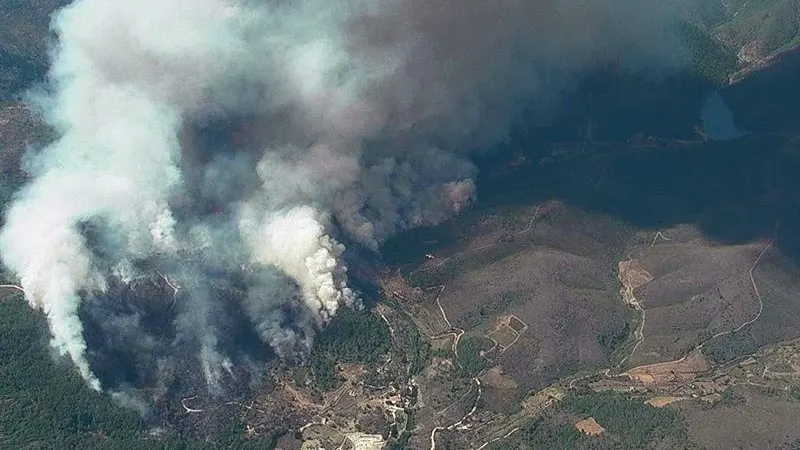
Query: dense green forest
(709, 58)
(629, 424)
(470, 358)
(45, 405)
(728, 347)
(353, 336)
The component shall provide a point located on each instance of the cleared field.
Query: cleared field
(495, 377)
(516, 324)
(674, 371)
(590, 427)
(504, 336)
(660, 402)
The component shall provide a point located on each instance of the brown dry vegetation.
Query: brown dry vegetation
(683, 370)
(495, 377)
(698, 289)
(754, 421)
(558, 278)
(779, 285)
(499, 390)
(554, 269)
(702, 291)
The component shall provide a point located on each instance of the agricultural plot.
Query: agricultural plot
(504, 334)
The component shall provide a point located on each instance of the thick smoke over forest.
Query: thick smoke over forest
(214, 156)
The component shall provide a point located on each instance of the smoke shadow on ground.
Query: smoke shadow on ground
(135, 342)
(654, 171)
(736, 191)
(605, 105)
(768, 99)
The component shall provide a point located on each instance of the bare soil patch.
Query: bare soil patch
(8, 292)
(504, 336)
(631, 276)
(682, 370)
(495, 377)
(660, 402)
(590, 427)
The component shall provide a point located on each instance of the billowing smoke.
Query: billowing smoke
(233, 146)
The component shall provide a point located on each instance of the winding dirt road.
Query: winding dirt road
(721, 333)
(4, 288)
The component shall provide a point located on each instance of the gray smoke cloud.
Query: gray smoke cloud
(255, 137)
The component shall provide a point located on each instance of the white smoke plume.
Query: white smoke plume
(236, 135)
(295, 241)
